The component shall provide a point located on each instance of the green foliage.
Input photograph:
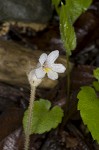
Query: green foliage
(68, 15)
(67, 31)
(96, 85)
(76, 7)
(88, 105)
(43, 118)
(96, 73)
(56, 3)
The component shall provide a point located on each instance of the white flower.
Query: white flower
(47, 65)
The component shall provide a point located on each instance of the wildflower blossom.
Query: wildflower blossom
(47, 66)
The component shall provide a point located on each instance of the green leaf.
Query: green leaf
(44, 118)
(96, 85)
(88, 105)
(85, 4)
(56, 3)
(96, 73)
(76, 7)
(68, 15)
(67, 31)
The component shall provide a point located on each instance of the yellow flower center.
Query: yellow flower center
(47, 69)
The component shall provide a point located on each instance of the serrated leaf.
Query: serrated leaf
(96, 73)
(88, 105)
(76, 7)
(96, 85)
(67, 31)
(44, 118)
(68, 15)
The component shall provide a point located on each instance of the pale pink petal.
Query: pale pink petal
(52, 57)
(58, 68)
(52, 75)
(43, 58)
(39, 73)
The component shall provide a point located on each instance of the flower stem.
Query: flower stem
(30, 114)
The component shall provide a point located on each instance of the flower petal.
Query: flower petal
(52, 75)
(43, 58)
(52, 57)
(58, 68)
(39, 73)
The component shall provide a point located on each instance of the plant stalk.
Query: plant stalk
(30, 114)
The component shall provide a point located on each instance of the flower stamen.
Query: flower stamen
(47, 69)
(47, 66)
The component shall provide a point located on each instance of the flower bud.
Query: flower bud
(33, 80)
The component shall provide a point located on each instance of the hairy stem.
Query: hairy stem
(29, 121)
